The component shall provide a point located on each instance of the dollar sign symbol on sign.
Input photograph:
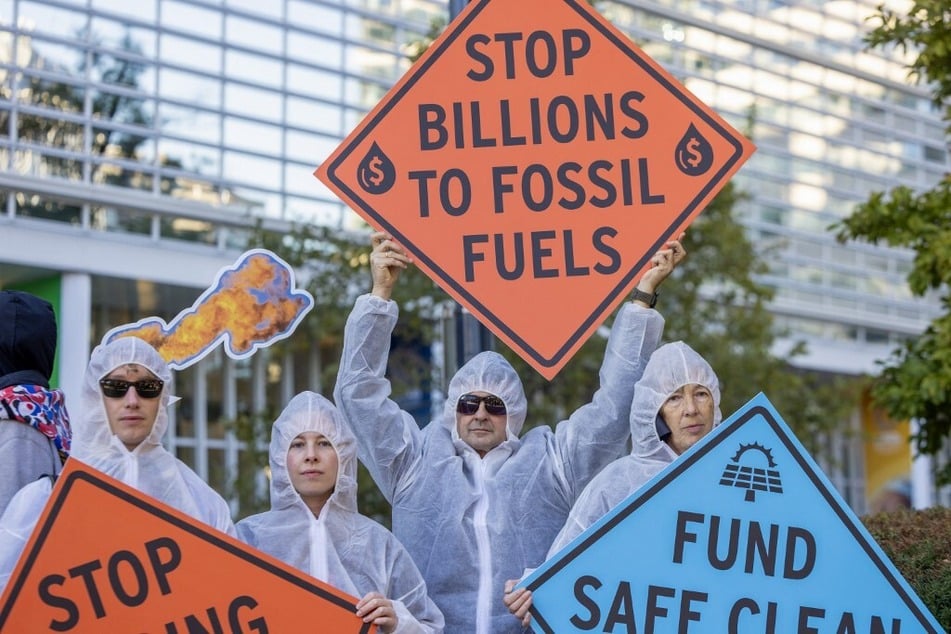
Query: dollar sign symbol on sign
(375, 169)
(376, 172)
(694, 155)
(693, 150)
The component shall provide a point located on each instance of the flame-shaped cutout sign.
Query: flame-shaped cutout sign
(376, 172)
(694, 154)
(250, 306)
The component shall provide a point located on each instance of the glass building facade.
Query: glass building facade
(140, 142)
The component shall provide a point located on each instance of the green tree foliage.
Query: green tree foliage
(919, 544)
(914, 381)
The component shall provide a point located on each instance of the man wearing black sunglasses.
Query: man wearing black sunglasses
(118, 430)
(474, 503)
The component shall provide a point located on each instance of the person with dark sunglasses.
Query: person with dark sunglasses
(122, 416)
(474, 503)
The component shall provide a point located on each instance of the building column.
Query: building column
(75, 324)
(922, 475)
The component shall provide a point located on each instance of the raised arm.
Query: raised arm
(387, 437)
(597, 433)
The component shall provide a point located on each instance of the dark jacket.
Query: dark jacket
(27, 339)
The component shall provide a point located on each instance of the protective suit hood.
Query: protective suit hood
(671, 367)
(93, 438)
(309, 411)
(149, 467)
(488, 372)
(340, 547)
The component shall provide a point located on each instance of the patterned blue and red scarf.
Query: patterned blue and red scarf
(42, 409)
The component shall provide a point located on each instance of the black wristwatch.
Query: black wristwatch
(648, 298)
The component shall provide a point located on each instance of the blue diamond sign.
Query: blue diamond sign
(744, 533)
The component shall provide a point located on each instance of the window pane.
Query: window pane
(312, 211)
(309, 148)
(189, 88)
(305, 46)
(315, 82)
(123, 174)
(256, 35)
(253, 68)
(38, 18)
(270, 9)
(188, 230)
(51, 58)
(252, 170)
(180, 51)
(120, 221)
(190, 124)
(116, 35)
(63, 96)
(192, 19)
(256, 137)
(263, 104)
(256, 202)
(301, 179)
(36, 206)
(140, 9)
(313, 115)
(52, 131)
(315, 17)
(191, 157)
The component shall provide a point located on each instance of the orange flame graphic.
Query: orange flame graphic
(250, 306)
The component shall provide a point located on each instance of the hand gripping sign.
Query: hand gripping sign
(104, 557)
(743, 533)
(532, 161)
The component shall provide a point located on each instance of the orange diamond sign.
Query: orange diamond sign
(104, 557)
(531, 162)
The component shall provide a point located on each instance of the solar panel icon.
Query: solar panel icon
(761, 475)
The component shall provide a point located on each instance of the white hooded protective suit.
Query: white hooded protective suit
(341, 547)
(671, 367)
(149, 467)
(471, 523)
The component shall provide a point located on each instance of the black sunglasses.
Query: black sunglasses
(469, 404)
(117, 388)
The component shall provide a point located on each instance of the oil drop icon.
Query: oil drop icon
(376, 172)
(693, 155)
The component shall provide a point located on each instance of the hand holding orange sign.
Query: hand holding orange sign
(387, 261)
(531, 172)
(106, 558)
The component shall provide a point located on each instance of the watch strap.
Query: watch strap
(648, 298)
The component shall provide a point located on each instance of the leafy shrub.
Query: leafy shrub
(919, 544)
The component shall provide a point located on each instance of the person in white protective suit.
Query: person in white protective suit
(314, 525)
(118, 429)
(676, 403)
(473, 503)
